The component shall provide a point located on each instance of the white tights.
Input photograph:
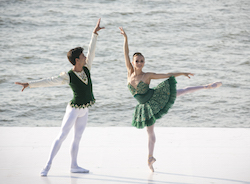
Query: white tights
(78, 118)
(188, 90)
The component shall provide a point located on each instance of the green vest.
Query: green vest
(83, 95)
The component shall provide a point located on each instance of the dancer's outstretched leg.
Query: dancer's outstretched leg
(151, 145)
(196, 88)
(78, 131)
(67, 123)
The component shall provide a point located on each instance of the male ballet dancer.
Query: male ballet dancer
(77, 110)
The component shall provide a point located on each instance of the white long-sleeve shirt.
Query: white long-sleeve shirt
(63, 78)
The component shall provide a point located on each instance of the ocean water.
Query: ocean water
(208, 38)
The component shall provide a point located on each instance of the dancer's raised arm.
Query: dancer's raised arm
(92, 45)
(126, 52)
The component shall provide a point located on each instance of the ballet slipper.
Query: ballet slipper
(79, 170)
(151, 160)
(45, 170)
(213, 85)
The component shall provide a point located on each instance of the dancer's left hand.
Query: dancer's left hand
(187, 74)
(97, 27)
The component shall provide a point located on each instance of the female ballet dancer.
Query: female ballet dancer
(153, 103)
(77, 110)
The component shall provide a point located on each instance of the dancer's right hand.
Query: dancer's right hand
(25, 85)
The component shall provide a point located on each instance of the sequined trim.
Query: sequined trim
(82, 76)
(82, 106)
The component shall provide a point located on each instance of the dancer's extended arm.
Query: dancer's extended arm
(92, 45)
(129, 66)
(62, 79)
(167, 75)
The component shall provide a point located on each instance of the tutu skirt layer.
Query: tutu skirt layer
(158, 105)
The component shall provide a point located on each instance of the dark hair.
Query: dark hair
(73, 54)
(137, 54)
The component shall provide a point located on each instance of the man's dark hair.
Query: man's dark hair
(73, 54)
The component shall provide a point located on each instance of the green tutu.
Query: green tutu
(153, 103)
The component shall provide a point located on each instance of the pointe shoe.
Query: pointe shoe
(79, 170)
(213, 85)
(45, 170)
(151, 160)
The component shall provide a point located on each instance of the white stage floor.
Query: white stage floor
(118, 155)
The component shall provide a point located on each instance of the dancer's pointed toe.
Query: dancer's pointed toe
(45, 170)
(151, 160)
(213, 85)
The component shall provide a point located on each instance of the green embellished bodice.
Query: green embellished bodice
(141, 88)
(142, 93)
